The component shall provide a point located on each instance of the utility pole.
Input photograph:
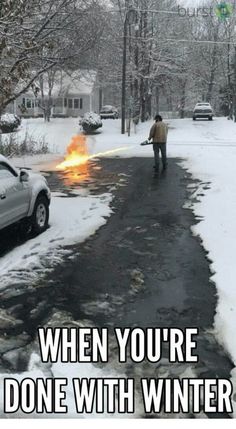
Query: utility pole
(130, 17)
(123, 98)
(234, 79)
(229, 90)
(234, 87)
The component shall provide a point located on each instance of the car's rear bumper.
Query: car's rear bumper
(111, 115)
(202, 115)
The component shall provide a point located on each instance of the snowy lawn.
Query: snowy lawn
(211, 157)
(57, 133)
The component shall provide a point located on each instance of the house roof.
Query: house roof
(79, 82)
(76, 83)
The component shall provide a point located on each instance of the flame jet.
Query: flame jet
(77, 153)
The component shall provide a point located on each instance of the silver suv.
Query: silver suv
(24, 196)
(203, 111)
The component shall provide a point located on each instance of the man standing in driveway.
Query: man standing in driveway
(158, 134)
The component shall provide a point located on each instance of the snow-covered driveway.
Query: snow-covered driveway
(208, 151)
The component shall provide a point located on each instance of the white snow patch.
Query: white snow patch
(72, 220)
(60, 370)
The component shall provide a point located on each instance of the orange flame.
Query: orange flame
(77, 153)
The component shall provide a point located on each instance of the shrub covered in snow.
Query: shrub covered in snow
(90, 122)
(9, 123)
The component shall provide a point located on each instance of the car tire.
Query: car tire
(194, 119)
(210, 118)
(40, 216)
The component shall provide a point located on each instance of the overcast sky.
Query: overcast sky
(191, 3)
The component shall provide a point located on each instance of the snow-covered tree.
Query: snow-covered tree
(39, 35)
(188, 58)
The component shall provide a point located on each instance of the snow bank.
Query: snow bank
(211, 157)
(72, 220)
(37, 370)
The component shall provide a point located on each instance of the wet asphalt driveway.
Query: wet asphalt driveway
(143, 268)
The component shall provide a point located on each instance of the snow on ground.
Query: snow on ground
(57, 132)
(73, 219)
(59, 370)
(211, 157)
(208, 152)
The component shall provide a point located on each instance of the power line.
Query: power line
(169, 39)
(202, 41)
(166, 12)
(148, 39)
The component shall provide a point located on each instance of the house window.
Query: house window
(70, 103)
(28, 103)
(57, 102)
(76, 103)
(23, 101)
(65, 102)
(81, 103)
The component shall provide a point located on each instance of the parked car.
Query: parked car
(109, 112)
(203, 111)
(24, 197)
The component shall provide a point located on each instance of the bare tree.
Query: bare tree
(183, 57)
(39, 35)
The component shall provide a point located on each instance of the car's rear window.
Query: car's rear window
(107, 109)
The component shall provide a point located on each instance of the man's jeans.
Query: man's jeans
(157, 147)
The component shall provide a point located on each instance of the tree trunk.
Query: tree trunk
(229, 84)
(234, 87)
(142, 100)
(157, 99)
(213, 69)
(136, 78)
(183, 101)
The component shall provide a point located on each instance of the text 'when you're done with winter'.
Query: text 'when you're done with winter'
(116, 393)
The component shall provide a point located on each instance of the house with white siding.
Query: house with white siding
(71, 95)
